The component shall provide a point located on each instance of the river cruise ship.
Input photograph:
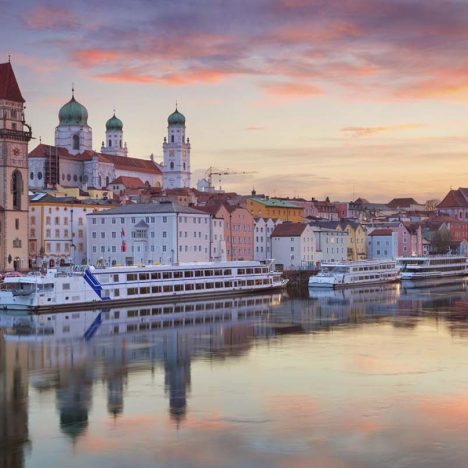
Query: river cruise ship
(436, 266)
(90, 287)
(345, 274)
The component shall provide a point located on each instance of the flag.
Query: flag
(124, 246)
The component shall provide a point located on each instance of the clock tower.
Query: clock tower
(14, 202)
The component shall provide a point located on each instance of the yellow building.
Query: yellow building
(356, 239)
(275, 209)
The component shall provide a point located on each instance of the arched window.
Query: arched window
(100, 181)
(31, 176)
(75, 177)
(172, 138)
(172, 165)
(76, 142)
(184, 166)
(120, 143)
(110, 143)
(107, 181)
(39, 175)
(16, 189)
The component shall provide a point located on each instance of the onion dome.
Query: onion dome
(73, 113)
(176, 118)
(114, 123)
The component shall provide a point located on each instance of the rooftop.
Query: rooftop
(289, 230)
(148, 208)
(274, 202)
(9, 88)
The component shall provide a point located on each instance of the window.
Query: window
(17, 223)
(16, 189)
(76, 142)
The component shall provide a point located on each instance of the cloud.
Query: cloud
(291, 89)
(52, 17)
(369, 131)
(254, 129)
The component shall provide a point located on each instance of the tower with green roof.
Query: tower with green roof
(73, 131)
(114, 144)
(176, 151)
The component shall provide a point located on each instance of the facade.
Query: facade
(239, 226)
(275, 209)
(14, 137)
(264, 227)
(57, 229)
(148, 233)
(356, 239)
(218, 244)
(382, 243)
(410, 240)
(176, 150)
(293, 246)
(331, 244)
(455, 204)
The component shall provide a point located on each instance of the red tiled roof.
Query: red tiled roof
(289, 230)
(381, 232)
(129, 182)
(122, 163)
(9, 88)
(455, 199)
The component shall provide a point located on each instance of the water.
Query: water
(363, 377)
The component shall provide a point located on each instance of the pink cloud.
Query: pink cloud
(291, 89)
(51, 17)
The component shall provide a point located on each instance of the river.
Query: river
(365, 377)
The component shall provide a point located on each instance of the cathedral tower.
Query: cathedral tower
(176, 150)
(73, 131)
(14, 202)
(114, 144)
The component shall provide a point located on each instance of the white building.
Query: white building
(218, 243)
(264, 227)
(382, 243)
(57, 229)
(176, 150)
(331, 244)
(149, 233)
(293, 246)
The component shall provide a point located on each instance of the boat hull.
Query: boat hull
(99, 304)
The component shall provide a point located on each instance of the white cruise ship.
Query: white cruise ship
(436, 266)
(132, 285)
(345, 274)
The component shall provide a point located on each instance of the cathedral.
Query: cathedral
(72, 162)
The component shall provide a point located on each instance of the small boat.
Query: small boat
(91, 287)
(355, 273)
(432, 266)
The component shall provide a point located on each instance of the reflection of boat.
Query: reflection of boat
(382, 293)
(439, 284)
(126, 320)
(129, 285)
(345, 274)
(437, 266)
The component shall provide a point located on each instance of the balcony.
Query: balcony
(17, 135)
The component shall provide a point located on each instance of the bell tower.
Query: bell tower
(176, 151)
(14, 202)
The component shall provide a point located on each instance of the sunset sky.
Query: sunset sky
(341, 98)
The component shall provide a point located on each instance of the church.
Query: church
(72, 162)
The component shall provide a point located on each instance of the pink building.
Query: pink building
(410, 240)
(239, 227)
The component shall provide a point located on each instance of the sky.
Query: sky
(309, 97)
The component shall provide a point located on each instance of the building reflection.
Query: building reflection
(13, 404)
(67, 354)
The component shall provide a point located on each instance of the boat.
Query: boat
(432, 266)
(354, 273)
(86, 287)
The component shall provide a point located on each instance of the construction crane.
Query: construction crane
(212, 171)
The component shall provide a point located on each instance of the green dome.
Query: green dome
(176, 118)
(114, 124)
(73, 113)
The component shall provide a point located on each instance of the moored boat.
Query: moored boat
(432, 267)
(91, 287)
(354, 273)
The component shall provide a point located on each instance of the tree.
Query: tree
(441, 241)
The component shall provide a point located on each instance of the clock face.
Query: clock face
(16, 151)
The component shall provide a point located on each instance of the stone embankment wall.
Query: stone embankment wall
(298, 280)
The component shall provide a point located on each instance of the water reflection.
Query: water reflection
(79, 357)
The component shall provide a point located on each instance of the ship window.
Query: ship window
(156, 289)
(227, 272)
(167, 275)
(178, 287)
(178, 274)
(198, 273)
(208, 273)
(189, 287)
(188, 274)
(200, 286)
(132, 291)
(66, 286)
(218, 272)
(155, 276)
(167, 288)
(132, 277)
(144, 276)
